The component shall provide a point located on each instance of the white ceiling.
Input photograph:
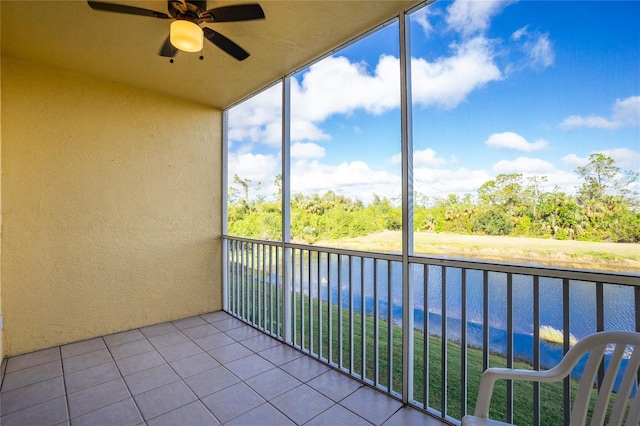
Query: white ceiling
(124, 48)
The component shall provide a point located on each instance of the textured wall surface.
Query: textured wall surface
(111, 207)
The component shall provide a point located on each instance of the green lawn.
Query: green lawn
(349, 331)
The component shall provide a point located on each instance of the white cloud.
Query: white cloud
(306, 150)
(536, 46)
(626, 113)
(591, 121)
(258, 119)
(421, 158)
(524, 165)
(448, 81)
(566, 181)
(258, 168)
(573, 160)
(540, 51)
(421, 17)
(353, 179)
(440, 182)
(336, 85)
(625, 158)
(513, 140)
(473, 16)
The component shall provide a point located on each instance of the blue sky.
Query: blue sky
(531, 87)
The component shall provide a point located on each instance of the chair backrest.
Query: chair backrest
(626, 346)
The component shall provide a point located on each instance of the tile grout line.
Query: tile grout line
(64, 386)
(123, 380)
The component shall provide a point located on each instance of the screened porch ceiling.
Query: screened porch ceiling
(124, 48)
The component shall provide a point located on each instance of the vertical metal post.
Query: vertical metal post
(389, 326)
(566, 329)
(310, 301)
(600, 324)
(293, 306)
(536, 347)
(270, 289)
(302, 316)
(225, 207)
(318, 282)
(287, 281)
(425, 326)
(363, 310)
(636, 306)
(252, 283)
(407, 208)
(376, 337)
(445, 338)
(329, 328)
(485, 320)
(340, 361)
(463, 344)
(509, 345)
(351, 342)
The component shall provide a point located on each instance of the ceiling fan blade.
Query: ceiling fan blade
(168, 50)
(225, 44)
(239, 12)
(130, 10)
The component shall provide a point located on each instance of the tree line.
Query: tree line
(604, 208)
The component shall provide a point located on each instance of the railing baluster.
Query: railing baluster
(259, 286)
(269, 318)
(509, 345)
(280, 292)
(463, 343)
(485, 320)
(445, 338)
(376, 340)
(363, 327)
(536, 347)
(310, 300)
(294, 319)
(329, 319)
(264, 286)
(351, 337)
(389, 327)
(302, 315)
(251, 284)
(340, 357)
(566, 329)
(600, 323)
(636, 296)
(319, 286)
(238, 276)
(425, 343)
(243, 296)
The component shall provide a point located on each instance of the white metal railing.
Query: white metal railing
(345, 307)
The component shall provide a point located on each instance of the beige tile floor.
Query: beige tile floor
(205, 370)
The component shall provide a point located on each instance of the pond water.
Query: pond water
(328, 277)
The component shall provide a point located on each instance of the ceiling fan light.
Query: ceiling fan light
(186, 36)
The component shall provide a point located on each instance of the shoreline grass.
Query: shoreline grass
(616, 257)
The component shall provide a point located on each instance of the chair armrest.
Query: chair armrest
(491, 375)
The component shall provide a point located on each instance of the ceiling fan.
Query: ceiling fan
(186, 33)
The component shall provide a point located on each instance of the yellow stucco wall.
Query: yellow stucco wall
(111, 207)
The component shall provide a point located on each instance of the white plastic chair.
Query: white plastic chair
(595, 345)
